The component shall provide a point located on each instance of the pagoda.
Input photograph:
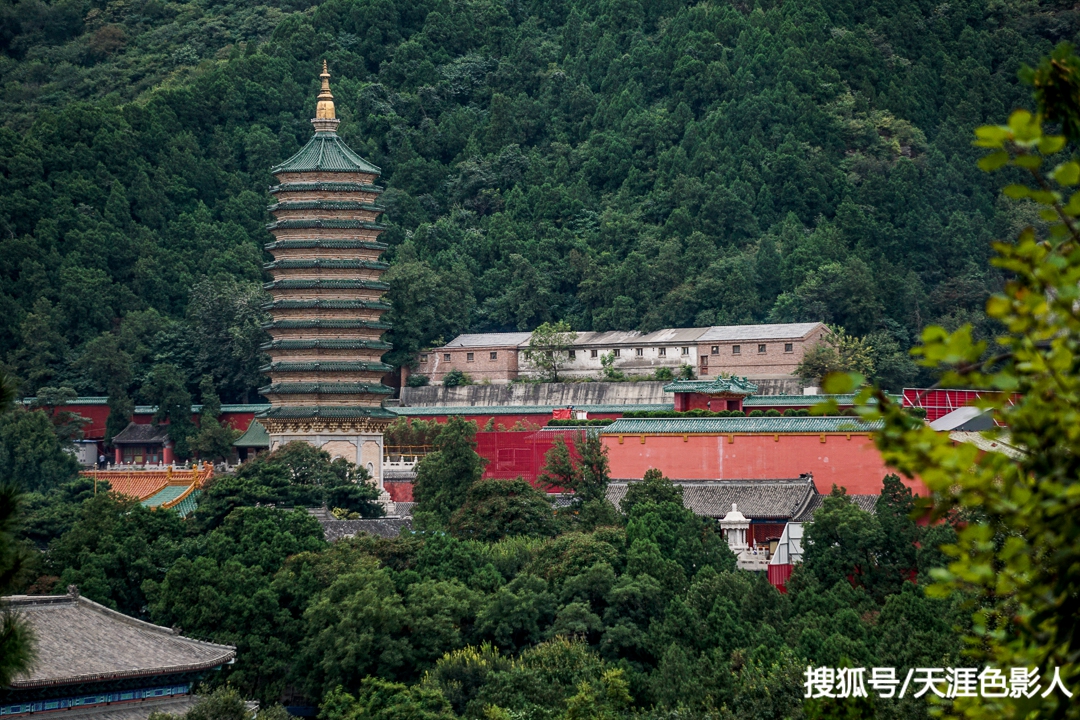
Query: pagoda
(326, 305)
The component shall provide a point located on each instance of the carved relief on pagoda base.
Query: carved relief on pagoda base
(334, 426)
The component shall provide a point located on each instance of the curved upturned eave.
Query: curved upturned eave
(326, 152)
(325, 304)
(325, 344)
(325, 388)
(328, 263)
(328, 243)
(328, 412)
(326, 284)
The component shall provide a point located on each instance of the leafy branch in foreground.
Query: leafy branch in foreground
(1018, 560)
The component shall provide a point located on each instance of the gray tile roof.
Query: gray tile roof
(1000, 443)
(611, 337)
(679, 426)
(666, 336)
(864, 502)
(757, 499)
(139, 434)
(672, 335)
(489, 340)
(80, 641)
(334, 530)
(782, 331)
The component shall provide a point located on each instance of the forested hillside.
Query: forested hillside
(615, 164)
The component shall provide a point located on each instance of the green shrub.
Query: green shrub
(772, 413)
(757, 413)
(418, 381)
(456, 378)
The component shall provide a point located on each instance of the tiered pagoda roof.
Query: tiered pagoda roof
(326, 152)
(326, 291)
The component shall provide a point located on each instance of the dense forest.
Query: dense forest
(626, 165)
(496, 607)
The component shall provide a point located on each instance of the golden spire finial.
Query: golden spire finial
(325, 109)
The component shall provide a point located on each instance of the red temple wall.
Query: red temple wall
(849, 461)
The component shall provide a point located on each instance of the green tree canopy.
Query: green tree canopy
(1014, 558)
(295, 475)
(494, 509)
(443, 477)
(166, 389)
(549, 348)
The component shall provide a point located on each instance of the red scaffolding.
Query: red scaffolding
(521, 454)
(939, 403)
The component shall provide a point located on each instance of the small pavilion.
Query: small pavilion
(722, 393)
(254, 441)
(143, 444)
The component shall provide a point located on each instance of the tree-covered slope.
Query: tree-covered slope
(615, 164)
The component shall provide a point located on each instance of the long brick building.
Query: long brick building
(759, 352)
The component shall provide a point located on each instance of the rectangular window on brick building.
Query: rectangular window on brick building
(617, 352)
(789, 347)
(446, 357)
(423, 358)
(493, 355)
(715, 350)
(736, 349)
(662, 352)
(592, 353)
(704, 360)
(469, 357)
(761, 348)
(685, 351)
(573, 354)
(639, 351)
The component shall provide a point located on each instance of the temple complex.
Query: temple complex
(326, 305)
